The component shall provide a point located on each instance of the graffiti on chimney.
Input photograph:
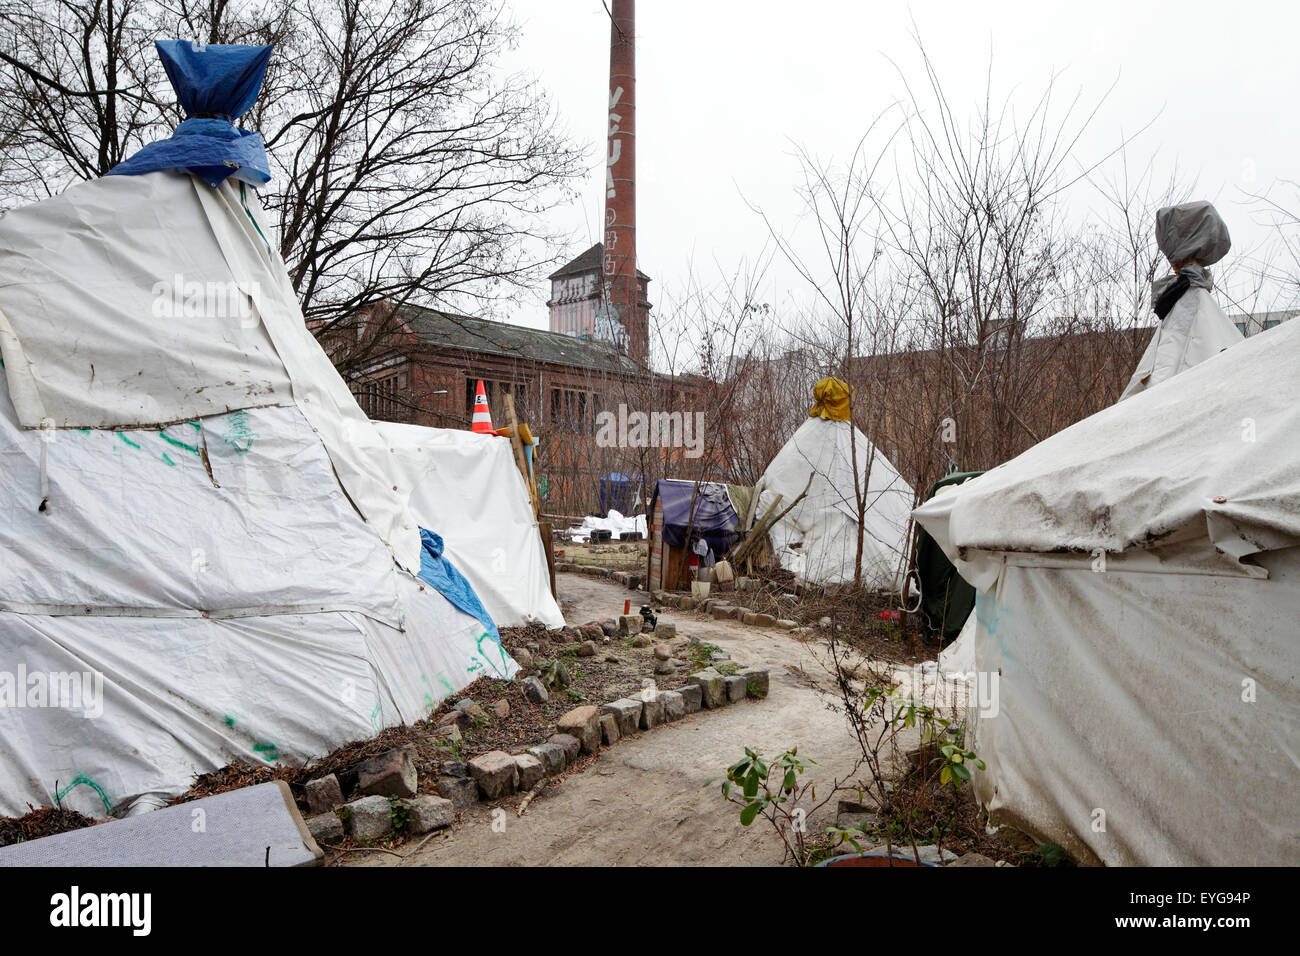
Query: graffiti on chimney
(615, 145)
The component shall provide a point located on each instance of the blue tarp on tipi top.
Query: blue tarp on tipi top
(216, 84)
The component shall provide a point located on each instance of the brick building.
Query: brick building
(420, 365)
(577, 300)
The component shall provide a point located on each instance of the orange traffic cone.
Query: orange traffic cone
(482, 421)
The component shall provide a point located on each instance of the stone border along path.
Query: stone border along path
(715, 606)
(389, 787)
(654, 799)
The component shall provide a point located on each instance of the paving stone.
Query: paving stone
(609, 732)
(534, 690)
(652, 712)
(932, 854)
(626, 712)
(391, 774)
(674, 705)
(665, 667)
(501, 708)
(587, 649)
(523, 656)
(756, 682)
(735, 688)
(665, 630)
(609, 628)
(692, 697)
(642, 640)
(629, 624)
(688, 604)
(786, 624)
(427, 812)
(762, 620)
(749, 617)
(461, 791)
(713, 687)
(571, 745)
(973, 859)
(324, 794)
(530, 770)
(454, 768)
(325, 828)
(720, 611)
(496, 774)
(456, 718)
(369, 818)
(583, 723)
(663, 652)
(551, 756)
(449, 732)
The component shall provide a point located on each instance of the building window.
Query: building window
(496, 391)
(1241, 327)
(383, 398)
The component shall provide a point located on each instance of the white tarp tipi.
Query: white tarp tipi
(207, 556)
(467, 488)
(818, 539)
(1139, 588)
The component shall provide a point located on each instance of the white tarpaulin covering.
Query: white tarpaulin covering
(467, 488)
(212, 577)
(1191, 236)
(819, 538)
(1139, 579)
(1195, 330)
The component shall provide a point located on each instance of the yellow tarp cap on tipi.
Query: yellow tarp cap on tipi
(831, 400)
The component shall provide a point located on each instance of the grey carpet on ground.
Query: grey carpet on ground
(229, 829)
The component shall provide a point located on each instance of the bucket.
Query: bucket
(699, 590)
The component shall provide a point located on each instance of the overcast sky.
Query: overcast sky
(725, 88)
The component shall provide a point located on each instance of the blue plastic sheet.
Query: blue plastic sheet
(216, 84)
(437, 571)
(715, 519)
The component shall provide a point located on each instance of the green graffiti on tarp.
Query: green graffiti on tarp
(167, 458)
(266, 750)
(122, 435)
(192, 449)
(83, 781)
(239, 435)
(375, 716)
(505, 662)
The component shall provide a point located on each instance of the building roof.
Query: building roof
(448, 331)
(589, 261)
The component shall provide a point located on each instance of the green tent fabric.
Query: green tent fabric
(946, 599)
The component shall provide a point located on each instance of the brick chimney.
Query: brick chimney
(618, 267)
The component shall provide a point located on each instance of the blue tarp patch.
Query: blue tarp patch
(216, 84)
(437, 571)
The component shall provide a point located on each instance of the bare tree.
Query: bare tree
(405, 166)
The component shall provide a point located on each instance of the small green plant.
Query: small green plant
(455, 749)
(1049, 854)
(575, 695)
(772, 790)
(400, 816)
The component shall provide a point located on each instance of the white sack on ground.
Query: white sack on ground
(824, 525)
(1139, 578)
(616, 523)
(467, 488)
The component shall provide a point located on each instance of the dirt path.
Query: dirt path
(645, 801)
